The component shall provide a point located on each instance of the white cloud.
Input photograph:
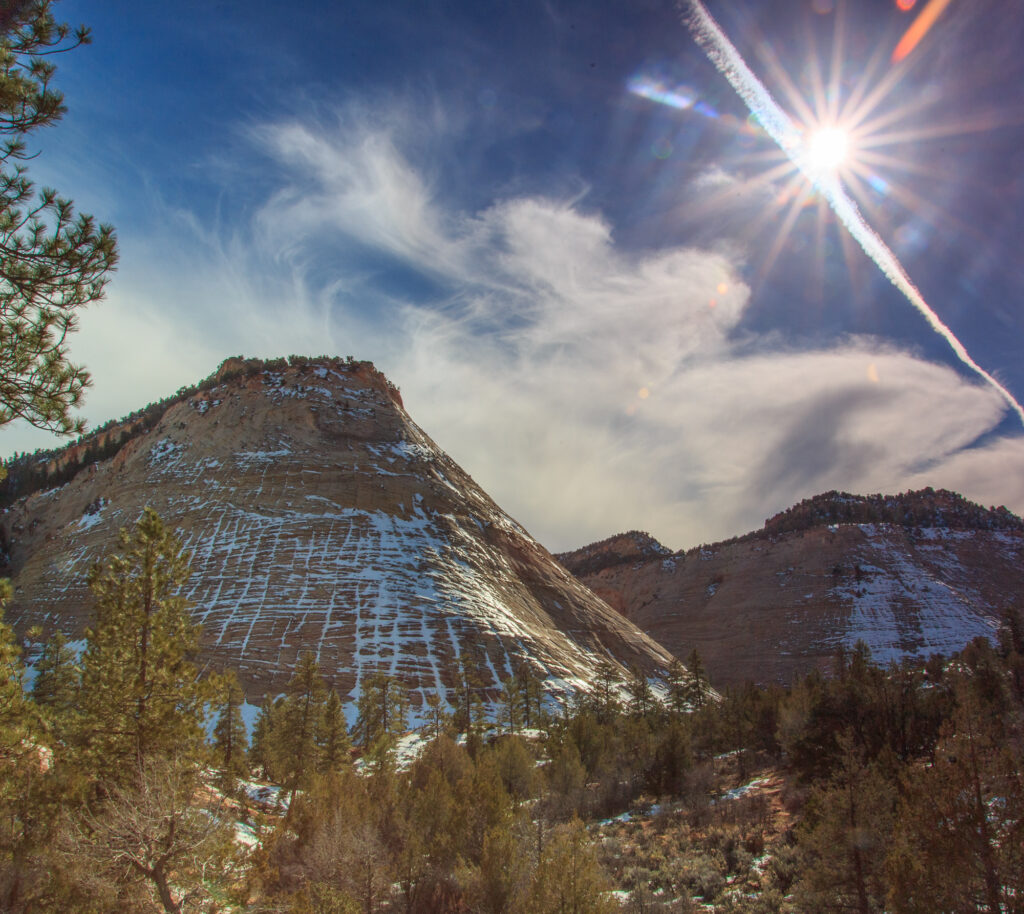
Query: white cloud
(588, 389)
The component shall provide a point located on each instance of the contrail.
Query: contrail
(723, 54)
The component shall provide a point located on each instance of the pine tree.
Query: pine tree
(29, 806)
(511, 704)
(55, 688)
(672, 757)
(531, 694)
(332, 738)
(697, 690)
(297, 755)
(469, 704)
(606, 692)
(959, 840)
(517, 767)
(437, 717)
(569, 878)
(261, 749)
(52, 264)
(382, 711)
(641, 698)
(678, 688)
(141, 693)
(15, 717)
(845, 836)
(229, 737)
(503, 878)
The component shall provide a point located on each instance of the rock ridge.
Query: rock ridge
(320, 517)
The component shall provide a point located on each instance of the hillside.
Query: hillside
(319, 517)
(910, 575)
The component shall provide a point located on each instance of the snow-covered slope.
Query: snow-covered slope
(776, 603)
(320, 517)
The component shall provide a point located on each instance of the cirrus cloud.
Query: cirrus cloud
(588, 388)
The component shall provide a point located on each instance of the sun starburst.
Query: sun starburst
(827, 148)
(820, 164)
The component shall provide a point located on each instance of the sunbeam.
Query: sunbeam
(794, 143)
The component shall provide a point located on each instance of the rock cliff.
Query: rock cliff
(319, 517)
(910, 575)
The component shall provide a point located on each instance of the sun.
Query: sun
(827, 149)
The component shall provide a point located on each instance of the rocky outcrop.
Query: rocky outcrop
(928, 572)
(320, 517)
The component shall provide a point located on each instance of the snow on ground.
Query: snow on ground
(89, 520)
(268, 796)
(246, 834)
(743, 790)
(408, 748)
(902, 606)
(404, 593)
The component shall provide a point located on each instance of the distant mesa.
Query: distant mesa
(320, 517)
(634, 546)
(909, 574)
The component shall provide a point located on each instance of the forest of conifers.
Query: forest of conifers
(129, 782)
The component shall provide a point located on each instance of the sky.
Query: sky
(599, 283)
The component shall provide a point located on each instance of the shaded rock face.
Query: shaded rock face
(320, 517)
(768, 607)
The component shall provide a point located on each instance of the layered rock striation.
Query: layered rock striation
(320, 517)
(910, 575)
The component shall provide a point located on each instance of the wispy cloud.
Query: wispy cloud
(587, 387)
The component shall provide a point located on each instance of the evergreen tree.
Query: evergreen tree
(531, 694)
(678, 688)
(503, 878)
(697, 691)
(641, 698)
(332, 738)
(382, 711)
(845, 835)
(960, 840)
(672, 758)
(606, 691)
(516, 766)
(511, 704)
(569, 877)
(295, 749)
(141, 693)
(469, 704)
(14, 712)
(52, 263)
(55, 688)
(21, 759)
(437, 717)
(261, 749)
(229, 737)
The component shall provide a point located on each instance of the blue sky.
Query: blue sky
(613, 312)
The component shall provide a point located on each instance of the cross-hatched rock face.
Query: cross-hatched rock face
(771, 606)
(320, 517)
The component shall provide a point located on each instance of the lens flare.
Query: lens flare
(781, 128)
(919, 28)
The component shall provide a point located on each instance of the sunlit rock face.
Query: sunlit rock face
(320, 517)
(930, 577)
